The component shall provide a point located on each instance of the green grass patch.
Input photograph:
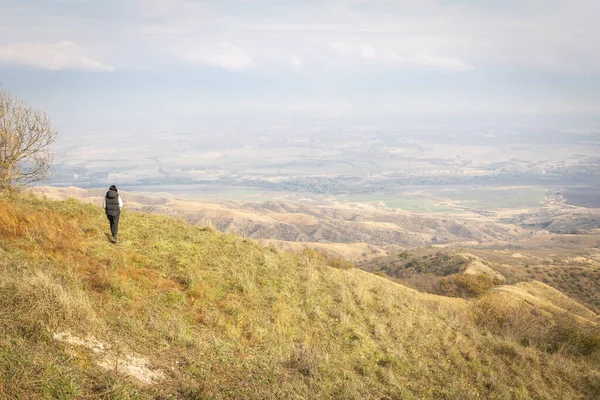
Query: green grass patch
(489, 199)
(399, 201)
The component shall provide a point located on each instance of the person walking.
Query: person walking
(112, 206)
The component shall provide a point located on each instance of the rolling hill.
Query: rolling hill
(180, 311)
(365, 229)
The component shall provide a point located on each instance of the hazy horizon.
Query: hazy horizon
(244, 90)
(116, 66)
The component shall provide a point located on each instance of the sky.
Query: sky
(121, 65)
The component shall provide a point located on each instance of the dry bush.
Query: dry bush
(322, 258)
(25, 138)
(339, 263)
(427, 283)
(465, 285)
(457, 285)
(436, 273)
(405, 265)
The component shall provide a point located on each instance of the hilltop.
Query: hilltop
(180, 311)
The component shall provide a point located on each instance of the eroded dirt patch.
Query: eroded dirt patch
(128, 364)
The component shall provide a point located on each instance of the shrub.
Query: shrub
(427, 283)
(570, 336)
(321, 257)
(465, 285)
(25, 139)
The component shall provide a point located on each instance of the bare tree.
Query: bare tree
(25, 138)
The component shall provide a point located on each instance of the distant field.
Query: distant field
(495, 197)
(485, 198)
(208, 192)
(399, 201)
(583, 196)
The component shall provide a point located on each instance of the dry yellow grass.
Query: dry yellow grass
(218, 316)
(295, 218)
(477, 267)
(547, 298)
(349, 251)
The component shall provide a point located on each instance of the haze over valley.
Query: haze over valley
(333, 160)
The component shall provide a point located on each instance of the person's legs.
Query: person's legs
(115, 225)
(112, 221)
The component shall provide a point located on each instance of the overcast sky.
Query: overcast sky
(132, 64)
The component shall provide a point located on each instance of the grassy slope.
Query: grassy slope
(225, 317)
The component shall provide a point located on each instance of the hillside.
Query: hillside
(567, 262)
(364, 229)
(179, 311)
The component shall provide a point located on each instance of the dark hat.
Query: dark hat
(112, 187)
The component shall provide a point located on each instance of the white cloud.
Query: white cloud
(58, 56)
(449, 63)
(226, 56)
(386, 56)
(322, 47)
(343, 48)
(297, 62)
(457, 35)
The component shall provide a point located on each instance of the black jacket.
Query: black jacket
(112, 203)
